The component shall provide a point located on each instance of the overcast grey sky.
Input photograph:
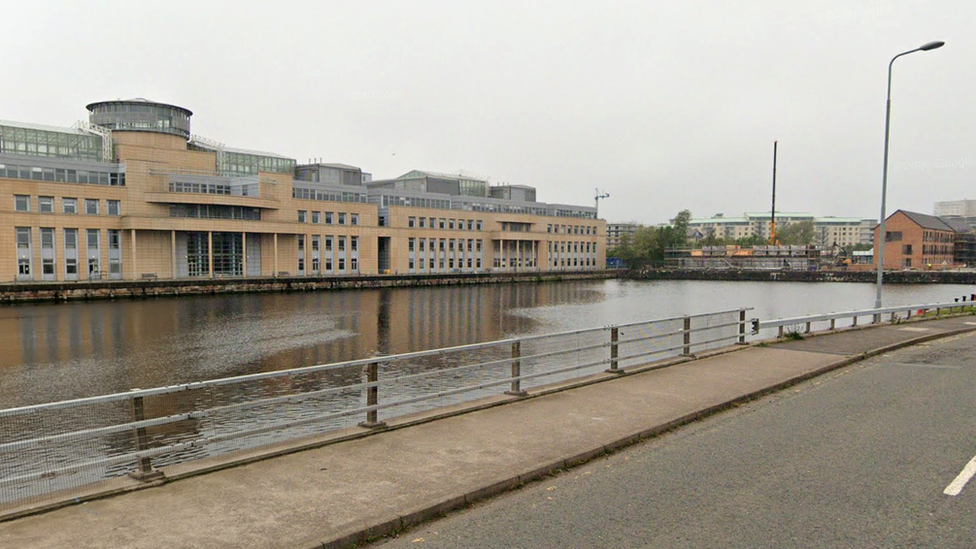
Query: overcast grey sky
(665, 105)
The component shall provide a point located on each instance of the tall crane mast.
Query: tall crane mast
(599, 196)
(772, 212)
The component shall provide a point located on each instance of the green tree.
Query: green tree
(752, 240)
(800, 233)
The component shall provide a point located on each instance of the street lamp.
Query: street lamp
(884, 178)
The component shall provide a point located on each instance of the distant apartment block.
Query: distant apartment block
(616, 231)
(828, 231)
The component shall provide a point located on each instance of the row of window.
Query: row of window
(931, 249)
(572, 262)
(201, 188)
(327, 240)
(571, 229)
(327, 217)
(443, 223)
(444, 263)
(73, 256)
(442, 244)
(572, 247)
(330, 196)
(69, 205)
(937, 236)
(63, 175)
(214, 211)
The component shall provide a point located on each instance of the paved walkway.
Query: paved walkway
(338, 495)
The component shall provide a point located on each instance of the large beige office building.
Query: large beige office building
(132, 194)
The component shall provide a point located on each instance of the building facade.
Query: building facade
(828, 231)
(916, 241)
(133, 194)
(616, 232)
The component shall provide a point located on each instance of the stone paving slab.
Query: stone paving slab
(337, 495)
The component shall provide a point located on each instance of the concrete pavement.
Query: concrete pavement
(343, 493)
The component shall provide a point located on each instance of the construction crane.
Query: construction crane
(772, 212)
(599, 196)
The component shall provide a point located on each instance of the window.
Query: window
(410, 245)
(91, 206)
(411, 221)
(342, 218)
(315, 217)
(328, 218)
(450, 224)
(45, 204)
(21, 203)
(354, 264)
(354, 220)
(114, 207)
(892, 236)
(69, 205)
(441, 222)
(342, 264)
(301, 242)
(342, 244)
(423, 222)
(354, 243)
(328, 246)
(301, 216)
(24, 252)
(906, 249)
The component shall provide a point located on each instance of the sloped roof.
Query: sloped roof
(927, 221)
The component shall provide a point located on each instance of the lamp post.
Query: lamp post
(884, 178)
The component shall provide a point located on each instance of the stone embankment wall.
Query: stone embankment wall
(892, 277)
(22, 292)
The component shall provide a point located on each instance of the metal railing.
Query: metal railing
(806, 324)
(60, 451)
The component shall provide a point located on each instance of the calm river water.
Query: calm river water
(54, 352)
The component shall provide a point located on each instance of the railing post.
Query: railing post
(144, 470)
(687, 331)
(854, 322)
(614, 350)
(372, 397)
(516, 388)
(742, 327)
(833, 323)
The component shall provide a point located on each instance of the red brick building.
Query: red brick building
(916, 241)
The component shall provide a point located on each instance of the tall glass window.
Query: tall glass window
(71, 254)
(24, 253)
(94, 254)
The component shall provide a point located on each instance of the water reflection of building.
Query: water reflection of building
(132, 194)
(56, 352)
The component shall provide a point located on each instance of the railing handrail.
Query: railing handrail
(196, 385)
(775, 323)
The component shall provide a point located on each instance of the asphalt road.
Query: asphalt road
(857, 458)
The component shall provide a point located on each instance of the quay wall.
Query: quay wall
(26, 292)
(890, 277)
